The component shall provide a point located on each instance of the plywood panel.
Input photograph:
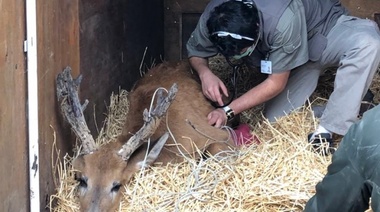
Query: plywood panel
(58, 47)
(14, 192)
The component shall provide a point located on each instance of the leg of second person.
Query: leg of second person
(353, 46)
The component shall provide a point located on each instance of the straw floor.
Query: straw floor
(280, 174)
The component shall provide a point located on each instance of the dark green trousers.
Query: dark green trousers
(354, 174)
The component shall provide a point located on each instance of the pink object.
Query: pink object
(244, 136)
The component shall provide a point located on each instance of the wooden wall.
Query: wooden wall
(181, 17)
(57, 47)
(113, 38)
(13, 142)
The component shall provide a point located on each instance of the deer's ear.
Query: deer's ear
(154, 152)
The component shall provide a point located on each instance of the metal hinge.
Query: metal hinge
(25, 46)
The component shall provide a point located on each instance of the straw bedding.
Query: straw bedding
(280, 174)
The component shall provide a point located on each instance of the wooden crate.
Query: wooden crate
(104, 40)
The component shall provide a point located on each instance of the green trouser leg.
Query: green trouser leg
(354, 174)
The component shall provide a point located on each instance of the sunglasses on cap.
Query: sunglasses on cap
(233, 35)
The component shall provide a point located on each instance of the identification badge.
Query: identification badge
(266, 67)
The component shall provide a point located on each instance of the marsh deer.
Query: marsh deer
(177, 128)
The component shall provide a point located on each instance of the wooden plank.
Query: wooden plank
(58, 47)
(14, 193)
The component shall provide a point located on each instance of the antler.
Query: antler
(151, 122)
(72, 110)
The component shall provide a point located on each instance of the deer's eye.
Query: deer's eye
(82, 181)
(116, 187)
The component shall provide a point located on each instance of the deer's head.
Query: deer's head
(102, 175)
(103, 172)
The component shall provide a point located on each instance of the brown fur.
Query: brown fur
(104, 168)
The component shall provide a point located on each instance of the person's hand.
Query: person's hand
(217, 118)
(212, 87)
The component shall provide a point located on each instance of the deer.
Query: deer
(175, 129)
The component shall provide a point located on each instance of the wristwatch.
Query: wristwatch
(229, 112)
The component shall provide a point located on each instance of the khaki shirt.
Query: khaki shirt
(290, 47)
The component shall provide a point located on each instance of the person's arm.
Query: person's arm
(266, 90)
(199, 49)
(269, 88)
(213, 88)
